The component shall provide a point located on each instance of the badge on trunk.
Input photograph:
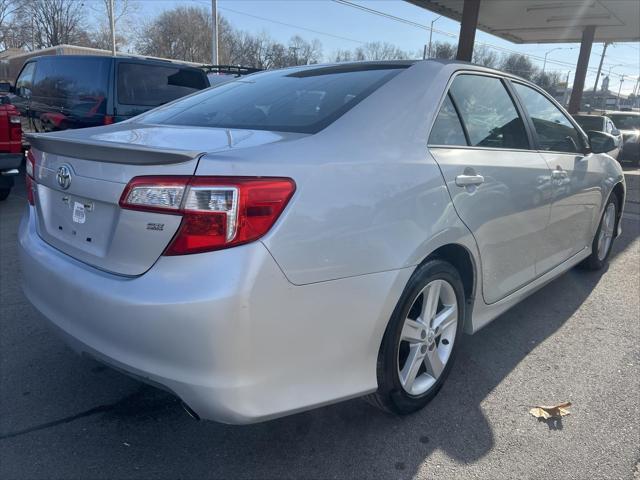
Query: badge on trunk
(63, 177)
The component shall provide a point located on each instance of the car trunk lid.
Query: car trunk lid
(80, 179)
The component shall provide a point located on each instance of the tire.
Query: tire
(396, 393)
(605, 235)
(4, 193)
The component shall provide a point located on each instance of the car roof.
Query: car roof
(154, 61)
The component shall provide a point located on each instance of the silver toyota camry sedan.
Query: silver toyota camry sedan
(298, 237)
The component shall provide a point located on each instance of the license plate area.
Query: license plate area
(75, 222)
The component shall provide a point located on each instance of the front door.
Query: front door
(500, 188)
(576, 181)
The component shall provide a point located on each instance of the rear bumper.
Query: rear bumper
(225, 331)
(10, 161)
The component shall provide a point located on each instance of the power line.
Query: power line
(452, 35)
(318, 32)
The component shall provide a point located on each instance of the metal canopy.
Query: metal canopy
(549, 21)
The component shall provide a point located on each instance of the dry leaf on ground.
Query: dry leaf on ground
(547, 412)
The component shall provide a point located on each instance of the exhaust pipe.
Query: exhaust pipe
(190, 411)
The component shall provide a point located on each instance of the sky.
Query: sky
(339, 26)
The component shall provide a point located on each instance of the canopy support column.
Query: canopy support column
(468, 26)
(581, 69)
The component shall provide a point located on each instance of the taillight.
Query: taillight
(217, 212)
(14, 119)
(30, 178)
(107, 120)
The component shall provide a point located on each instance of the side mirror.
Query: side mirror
(601, 142)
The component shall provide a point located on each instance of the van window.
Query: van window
(303, 100)
(24, 83)
(555, 131)
(60, 77)
(488, 112)
(153, 85)
(447, 129)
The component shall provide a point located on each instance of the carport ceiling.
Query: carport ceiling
(549, 21)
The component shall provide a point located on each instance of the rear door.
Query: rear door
(576, 180)
(500, 187)
(141, 86)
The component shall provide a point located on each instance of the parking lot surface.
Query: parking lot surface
(577, 339)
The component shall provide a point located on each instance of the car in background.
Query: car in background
(219, 74)
(75, 91)
(601, 123)
(10, 146)
(629, 124)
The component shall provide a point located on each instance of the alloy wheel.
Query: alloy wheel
(427, 337)
(606, 231)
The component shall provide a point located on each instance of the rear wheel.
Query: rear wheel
(603, 241)
(421, 339)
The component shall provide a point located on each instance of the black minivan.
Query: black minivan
(77, 91)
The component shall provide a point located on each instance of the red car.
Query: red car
(10, 146)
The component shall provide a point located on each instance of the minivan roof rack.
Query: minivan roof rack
(230, 69)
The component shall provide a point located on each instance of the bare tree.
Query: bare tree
(51, 22)
(380, 51)
(183, 33)
(7, 9)
(101, 35)
(444, 50)
(485, 56)
(518, 64)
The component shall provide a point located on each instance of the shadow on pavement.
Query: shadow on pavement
(346, 440)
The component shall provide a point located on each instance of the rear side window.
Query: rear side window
(153, 85)
(555, 132)
(447, 129)
(293, 100)
(60, 77)
(488, 112)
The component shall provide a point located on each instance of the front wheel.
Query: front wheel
(603, 241)
(421, 339)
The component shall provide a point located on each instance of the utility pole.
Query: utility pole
(620, 89)
(566, 90)
(431, 32)
(214, 32)
(595, 85)
(112, 24)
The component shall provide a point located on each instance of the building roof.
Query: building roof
(549, 21)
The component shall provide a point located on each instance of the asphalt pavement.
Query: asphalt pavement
(577, 339)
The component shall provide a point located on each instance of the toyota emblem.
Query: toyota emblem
(63, 177)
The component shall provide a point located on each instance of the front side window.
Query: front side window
(488, 112)
(293, 100)
(24, 83)
(153, 85)
(555, 132)
(447, 129)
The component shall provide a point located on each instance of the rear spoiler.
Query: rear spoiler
(109, 152)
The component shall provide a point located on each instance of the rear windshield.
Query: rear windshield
(153, 85)
(626, 122)
(590, 123)
(72, 78)
(303, 101)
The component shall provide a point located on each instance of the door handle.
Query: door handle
(466, 180)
